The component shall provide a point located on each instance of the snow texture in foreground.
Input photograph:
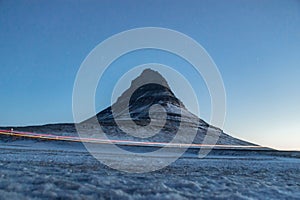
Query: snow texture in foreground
(64, 172)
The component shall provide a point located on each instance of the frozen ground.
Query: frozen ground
(66, 171)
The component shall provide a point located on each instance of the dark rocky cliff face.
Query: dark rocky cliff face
(148, 89)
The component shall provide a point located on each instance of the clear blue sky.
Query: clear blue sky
(255, 44)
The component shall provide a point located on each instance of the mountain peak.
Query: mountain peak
(150, 76)
(149, 87)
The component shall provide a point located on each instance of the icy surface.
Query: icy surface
(69, 172)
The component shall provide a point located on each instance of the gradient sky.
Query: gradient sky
(255, 44)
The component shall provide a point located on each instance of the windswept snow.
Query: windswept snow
(68, 173)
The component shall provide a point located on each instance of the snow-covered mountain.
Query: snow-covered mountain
(147, 107)
(138, 101)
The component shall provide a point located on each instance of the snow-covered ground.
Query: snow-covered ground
(65, 170)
